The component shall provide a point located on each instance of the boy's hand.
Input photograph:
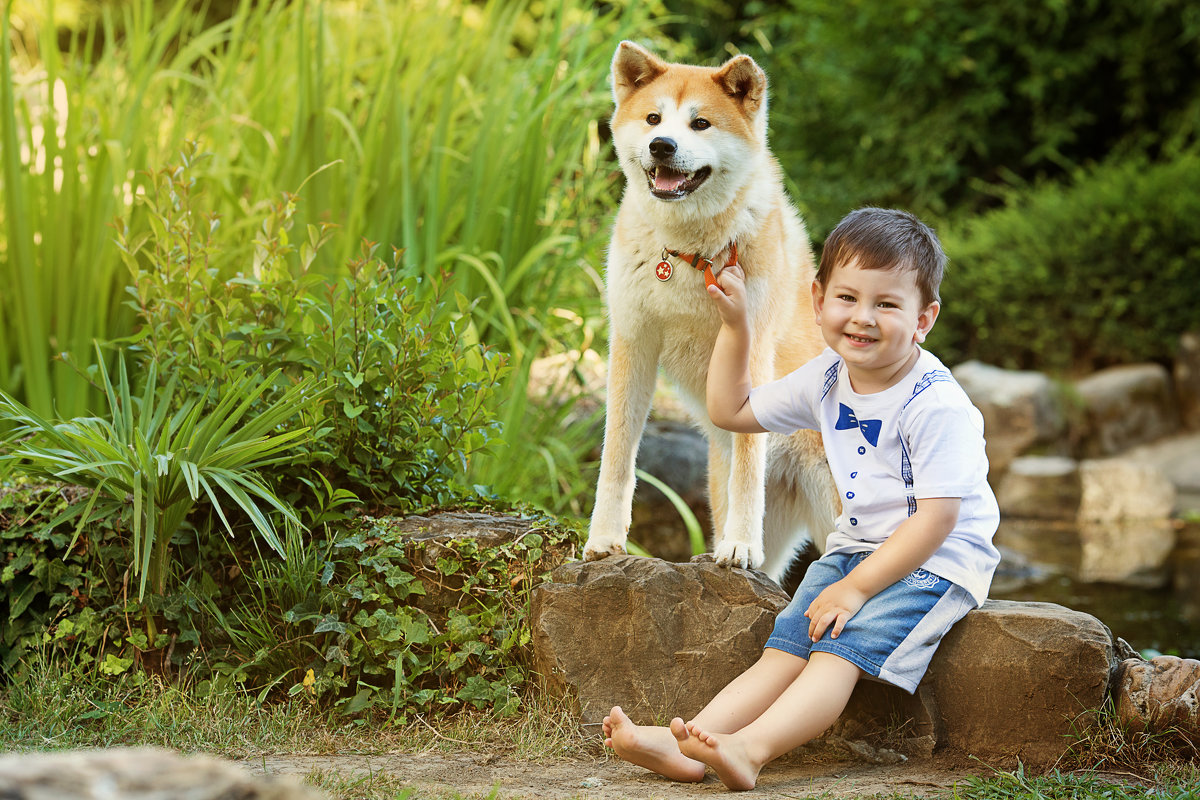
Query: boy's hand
(834, 606)
(729, 293)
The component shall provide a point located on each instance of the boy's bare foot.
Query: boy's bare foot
(649, 746)
(723, 752)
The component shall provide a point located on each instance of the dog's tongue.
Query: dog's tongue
(667, 180)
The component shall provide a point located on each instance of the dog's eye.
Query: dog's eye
(653, 119)
(701, 124)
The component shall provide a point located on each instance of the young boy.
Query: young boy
(912, 552)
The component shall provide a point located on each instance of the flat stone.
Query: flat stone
(1126, 406)
(1022, 410)
(1120, 489)
(661, 640)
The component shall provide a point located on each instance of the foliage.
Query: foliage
(409, 393)
(951, 99)
(147, 465)
(1018, 785)
(67, 599)
(487, 168)
(1080, 276)
(389, 622)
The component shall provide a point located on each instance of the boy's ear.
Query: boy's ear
(925, 321)
(818, 300)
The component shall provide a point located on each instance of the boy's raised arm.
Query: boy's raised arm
(729, 383)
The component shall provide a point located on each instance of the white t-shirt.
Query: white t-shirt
(920, 438)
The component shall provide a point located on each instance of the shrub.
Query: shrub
(929, 104)
(1075, 277)
(409, 391)
(394, 623)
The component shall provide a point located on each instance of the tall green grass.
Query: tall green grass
(466, 135)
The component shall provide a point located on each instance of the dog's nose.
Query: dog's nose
(662, 147)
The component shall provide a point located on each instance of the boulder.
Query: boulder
(1021, 410)
(1121, 490)
(1187, 379)
(656, 638)
(467, 536)
(1125, 407)
(677, 454)
(1098, 519)
(1010, 681)
(1040, 487)
(1159, 695)
(137, 774)
(662, 639)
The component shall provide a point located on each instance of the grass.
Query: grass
(51, 707)
(489, 166)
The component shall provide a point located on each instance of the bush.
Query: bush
(1071, 278)
(409, 392)
(395, 623)
(929, 104)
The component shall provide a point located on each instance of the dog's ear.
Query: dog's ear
(633, 67)
(745, 82)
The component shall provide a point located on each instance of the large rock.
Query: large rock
(1187, 379)
(1100, 519)
(1125, 407)
(662, 639)
(677, 454)
(1009, 681)
(658, 639)
(1040, 487)
(137, 774)
(1160, 694)
(1021, 410)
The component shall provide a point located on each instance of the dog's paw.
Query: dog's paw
(597, 548)
(739, 554)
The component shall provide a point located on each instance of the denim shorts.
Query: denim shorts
(893, 636)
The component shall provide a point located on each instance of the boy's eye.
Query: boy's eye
(653, 119)
(849, 298)
(701, 124)
(887, 304)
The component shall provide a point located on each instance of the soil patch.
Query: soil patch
(483, 775)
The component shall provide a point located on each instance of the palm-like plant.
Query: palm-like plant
(151, 466)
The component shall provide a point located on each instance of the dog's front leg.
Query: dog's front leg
(632, 369)
(740, 542)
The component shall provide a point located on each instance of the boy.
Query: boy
(912, 552)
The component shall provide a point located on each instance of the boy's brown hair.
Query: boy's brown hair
(885, 238)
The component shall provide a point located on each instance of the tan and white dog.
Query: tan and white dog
(703, 186)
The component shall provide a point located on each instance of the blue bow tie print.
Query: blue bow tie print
(870, 427)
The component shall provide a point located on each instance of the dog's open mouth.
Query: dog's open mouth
(667, 184)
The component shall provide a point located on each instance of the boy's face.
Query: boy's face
(874, 319)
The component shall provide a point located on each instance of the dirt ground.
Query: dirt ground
(478, 775)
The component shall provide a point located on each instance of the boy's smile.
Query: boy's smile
(874, 320)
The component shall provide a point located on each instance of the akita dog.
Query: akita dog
(703, 191)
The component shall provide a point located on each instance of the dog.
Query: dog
(704, 191)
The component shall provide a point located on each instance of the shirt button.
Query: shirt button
(853, 521)
(862, 451)
(853, 474)
(849, 495)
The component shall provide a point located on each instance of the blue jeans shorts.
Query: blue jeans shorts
(893, 636)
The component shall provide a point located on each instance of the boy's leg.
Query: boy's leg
(740, 702)
(803, 711)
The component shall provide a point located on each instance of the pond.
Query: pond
(1155, 608)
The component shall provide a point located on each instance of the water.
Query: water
(1155, 606)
